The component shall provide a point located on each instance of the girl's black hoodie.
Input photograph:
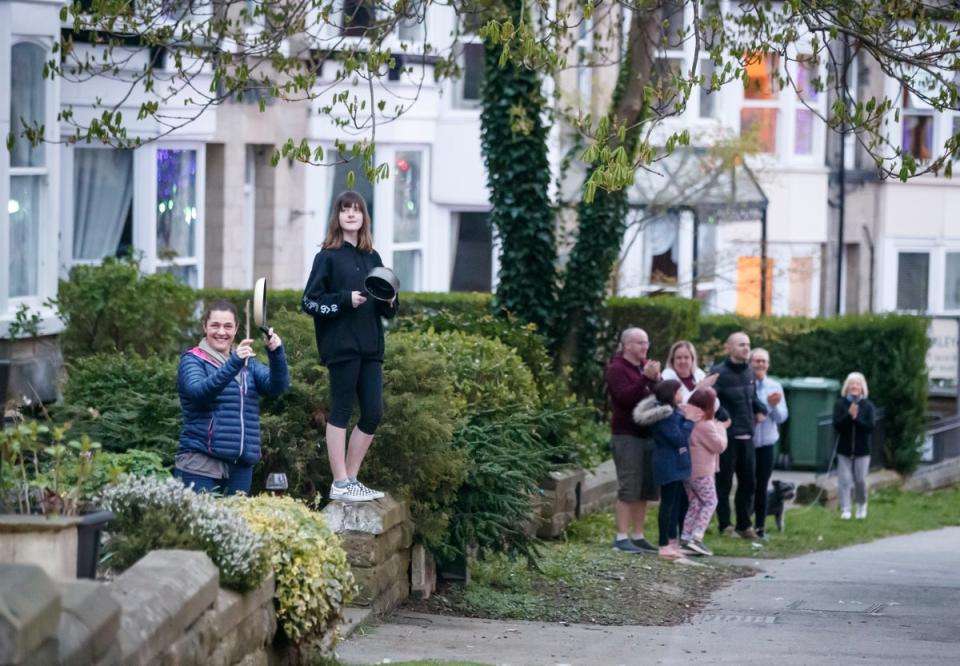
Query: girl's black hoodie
(343, 332)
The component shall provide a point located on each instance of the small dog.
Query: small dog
(777, 497)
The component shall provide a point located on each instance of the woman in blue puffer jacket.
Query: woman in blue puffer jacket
(220, 389)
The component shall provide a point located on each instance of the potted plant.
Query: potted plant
(45, 516)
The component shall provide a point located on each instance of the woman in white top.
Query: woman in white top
(766, 433)
(682, 366)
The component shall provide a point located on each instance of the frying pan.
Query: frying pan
(260, 305)
(382, 283)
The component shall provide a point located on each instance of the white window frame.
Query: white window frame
(144, 209)
(48, 213)
(145, 238)
(384, 195)
(937, 249)
(67, 214)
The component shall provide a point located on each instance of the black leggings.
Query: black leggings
(764, 472)
(365, 380)
(670, 494)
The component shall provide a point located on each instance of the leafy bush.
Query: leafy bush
(115, 308)
(124, 401)
(313, 578)
(151, 513)
(495, 503)
(412, 457)
(889, 349)
(44, 471)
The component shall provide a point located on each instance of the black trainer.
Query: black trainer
(645, 546)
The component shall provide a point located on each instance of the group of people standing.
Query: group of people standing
(220, 383)
(680, 435)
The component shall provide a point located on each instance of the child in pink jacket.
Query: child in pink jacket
(707, 441)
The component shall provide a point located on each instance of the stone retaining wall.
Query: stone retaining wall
(377, 537)
(166, 609)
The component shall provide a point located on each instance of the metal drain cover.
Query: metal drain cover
(863, 607)
(741, 619)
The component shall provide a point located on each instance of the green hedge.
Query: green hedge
(889, 349)
(411, 303)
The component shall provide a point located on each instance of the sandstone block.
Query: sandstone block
(371, 581)
(160, 597)
(89, 621)
(366, 550)
(375, 517)
(423, 571)
(232, 607)
(29, 612)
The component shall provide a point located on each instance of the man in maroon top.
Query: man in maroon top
(630, 379)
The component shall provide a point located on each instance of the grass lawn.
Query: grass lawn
(813, 528)
(583, 582)
(581, 579)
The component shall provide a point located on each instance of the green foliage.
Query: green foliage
(494, 505)
(115, 308)
(411, 303)
(161, 513)
(124, 401)
(890, 350)
(313, 578)
(514, 145)
(487, 375)
(25, 324)
(45, 472)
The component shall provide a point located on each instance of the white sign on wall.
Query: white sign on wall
(943, 357)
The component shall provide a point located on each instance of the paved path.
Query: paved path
(891, 601)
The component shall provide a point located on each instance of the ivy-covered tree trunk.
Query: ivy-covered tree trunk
(514, 142)
(601, 222)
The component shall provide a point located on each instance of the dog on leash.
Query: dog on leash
(777, 497)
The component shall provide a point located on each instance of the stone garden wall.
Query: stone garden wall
(168, 608)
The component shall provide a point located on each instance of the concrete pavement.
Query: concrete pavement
(896, 600)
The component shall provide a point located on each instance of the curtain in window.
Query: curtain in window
(660, 236)
(24, 210)
(102, 197)
(27, 102)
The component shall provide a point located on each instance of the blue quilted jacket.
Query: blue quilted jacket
(671, 455)
(221, 416)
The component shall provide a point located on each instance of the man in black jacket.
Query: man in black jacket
(738, 398)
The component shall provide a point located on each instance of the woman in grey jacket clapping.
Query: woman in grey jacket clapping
(766, 432)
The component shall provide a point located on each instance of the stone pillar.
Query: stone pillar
(560, 504)
(29, 615)
(377, 537)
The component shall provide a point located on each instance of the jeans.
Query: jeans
(740, 458)
(852, 473)
(764, 456)
(241, 478)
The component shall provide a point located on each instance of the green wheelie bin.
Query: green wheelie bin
(810, 401)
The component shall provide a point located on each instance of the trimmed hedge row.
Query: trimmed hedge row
(411, 302)
(889, 349)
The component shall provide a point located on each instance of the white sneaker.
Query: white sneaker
(845, 515)
(861, 512)
(373, 494)
(352, 492)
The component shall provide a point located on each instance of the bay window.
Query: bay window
(27, 214)
(759, 115)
